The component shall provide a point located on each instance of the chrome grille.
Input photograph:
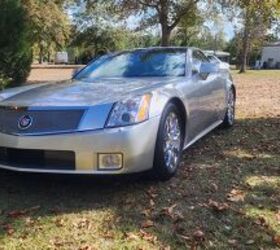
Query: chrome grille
(43, 121)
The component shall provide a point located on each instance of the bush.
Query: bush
(15, 48)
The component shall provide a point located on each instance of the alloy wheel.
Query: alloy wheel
(172, 141)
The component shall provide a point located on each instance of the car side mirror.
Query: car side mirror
(76, 71)
(206, 69)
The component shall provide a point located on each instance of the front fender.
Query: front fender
(163, 96)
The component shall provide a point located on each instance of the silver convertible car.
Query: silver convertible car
(126, 112)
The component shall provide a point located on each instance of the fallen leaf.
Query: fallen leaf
(146, 212)
(152, 192)
(108, 235)
(276, 239)
(29, 222)
(129, 201)
(236, 195)
(169, 211)
(131, 236)
(83, 223)
(33, 209)
(86, 247)
(278, 216)
(16, 214)
(250, 242)
(218, 206)
(59, 222)
(9, 229)
(19, 213)
(214, 187)
(147, 224)
(199, 235)
(167, 248)
(185, 237)
(232, 242)
(178, 216)
(148, 236)
(261, 221)
(152, 203)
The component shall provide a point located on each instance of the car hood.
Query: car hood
(79, 93)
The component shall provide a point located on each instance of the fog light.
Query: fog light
(110, 161)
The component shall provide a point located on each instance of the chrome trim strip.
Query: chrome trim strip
(70, 172)
(52, 108)
(43, 108)
(24, 170)
(65, 132)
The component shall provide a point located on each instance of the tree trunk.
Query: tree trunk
(41, 53)
(245, 51)
(49, 55)
(165, 35)
(246, 43)
(244, 56)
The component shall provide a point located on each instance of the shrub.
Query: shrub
(15, 48)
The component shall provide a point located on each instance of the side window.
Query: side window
(197, 59)
(204, 58)
(196, 62)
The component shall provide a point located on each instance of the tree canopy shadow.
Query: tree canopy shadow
(238, 167)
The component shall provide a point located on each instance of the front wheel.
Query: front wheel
(230, 113)
(169, 145)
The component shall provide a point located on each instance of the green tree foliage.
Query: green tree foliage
(188, 29)
(96, 40)
(257, 17)
(165, 13)
(50, 27)
(15, 48)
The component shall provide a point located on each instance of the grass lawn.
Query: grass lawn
(225, 196)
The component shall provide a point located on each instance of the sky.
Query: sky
(229, 30)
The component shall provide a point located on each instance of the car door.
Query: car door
(218, 89)
(190, 92)
(210, 92)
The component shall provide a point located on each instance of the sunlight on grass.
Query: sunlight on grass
(262, 202)
(271, 181)
(247, 155)
(264, 217)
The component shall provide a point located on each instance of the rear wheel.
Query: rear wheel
(169, 145)
(230, 113)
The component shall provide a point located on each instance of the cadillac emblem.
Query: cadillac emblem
(25, 122)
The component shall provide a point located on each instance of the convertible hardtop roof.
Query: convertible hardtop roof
(150, 49)
(156, 48)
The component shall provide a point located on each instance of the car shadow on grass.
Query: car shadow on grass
(225, 196)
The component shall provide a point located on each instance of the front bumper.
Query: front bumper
(136, 144)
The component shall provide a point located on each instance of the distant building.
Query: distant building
(271, 56)
(61, 58)
(223, 56)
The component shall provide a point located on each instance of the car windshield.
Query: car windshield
(139, 63)
(213, 59)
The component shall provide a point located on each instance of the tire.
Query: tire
(169, 145)
(229, 118)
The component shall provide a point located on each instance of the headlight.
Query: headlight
(130, 111)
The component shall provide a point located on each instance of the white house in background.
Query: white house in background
(271, 55)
